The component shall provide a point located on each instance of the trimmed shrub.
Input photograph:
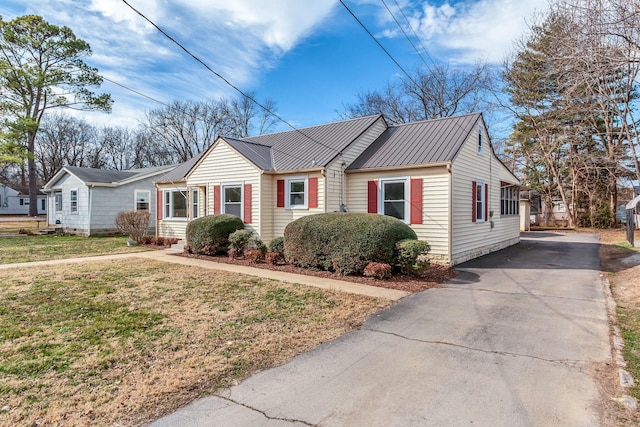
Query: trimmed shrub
(379, 270)
(277, 245)
(239, 240)
(209, 235)
(412, 255)
(343, 242)
(134, 224)
(254, 256)
(274, 257)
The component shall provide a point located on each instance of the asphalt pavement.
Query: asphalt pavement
(514, 340)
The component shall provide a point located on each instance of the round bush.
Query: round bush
(277, 245)
(209, 235)
(343, 242)
(412, 255)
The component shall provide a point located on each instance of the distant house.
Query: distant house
(14, 200)
(439, 176)
(86, 201)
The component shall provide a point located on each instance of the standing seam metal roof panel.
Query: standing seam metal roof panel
(312, 146)
(430, 141)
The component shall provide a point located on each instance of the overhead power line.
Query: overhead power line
(226, 81)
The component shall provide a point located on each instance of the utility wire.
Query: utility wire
(406, 35)
(424, 49)
(378, 43)
(227, 82)
(135, 91)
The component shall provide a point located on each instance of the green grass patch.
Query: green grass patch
(121, 342)
(42, 248)
(629, 319)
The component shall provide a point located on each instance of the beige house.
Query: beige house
(439, 176)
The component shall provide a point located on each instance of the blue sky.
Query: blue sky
(311, 57)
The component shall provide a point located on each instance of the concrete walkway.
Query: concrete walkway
(514, 341)
(169, 255)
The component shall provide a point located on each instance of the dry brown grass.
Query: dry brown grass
(122, 343)
(621, 262)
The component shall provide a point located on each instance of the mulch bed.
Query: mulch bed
(432, 278)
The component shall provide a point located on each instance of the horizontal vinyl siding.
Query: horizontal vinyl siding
(435, 202)
(470, 239)
(224, 165)
(283, 216)
(76, 223)
(336, 180)
(109, 201)
(169, 227)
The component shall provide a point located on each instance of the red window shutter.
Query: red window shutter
(159, 204)
(216, 200)
(247, 203)
(416, 201)
(473, 201)
(280, 196)
(486, 202)
(372, 197)
(313, 192)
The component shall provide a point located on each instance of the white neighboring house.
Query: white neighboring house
(15, 201)
(86, 201)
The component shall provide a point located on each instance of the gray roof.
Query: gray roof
(100, 176)
(419, 143)
(258, 154)
(305, 148)
(178, 173)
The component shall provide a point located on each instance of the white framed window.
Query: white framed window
(394, 198)
(57, 197)
(43, 204)
(143, 198)
(297, 192)
(481, 200)
(509, 200)
(232, 202)
(175, 204)
(480, 140)
(195, 203)
(73, 201)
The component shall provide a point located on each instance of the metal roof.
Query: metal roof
(304, 148)
(258, 154)
(100, 176)
(419, 143)
(178, 173)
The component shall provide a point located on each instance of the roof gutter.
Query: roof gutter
(401, 167)
(290, 171)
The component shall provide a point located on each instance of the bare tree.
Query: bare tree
(65, 141)
(436, 92)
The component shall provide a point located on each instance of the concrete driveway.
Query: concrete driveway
(512, 341)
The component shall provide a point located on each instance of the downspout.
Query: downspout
(323, 172)
(90, 206)
(450, 222)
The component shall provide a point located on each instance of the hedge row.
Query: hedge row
(344, 242)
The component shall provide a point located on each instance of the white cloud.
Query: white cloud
(239, 39)
(277, 23)
(473, 29)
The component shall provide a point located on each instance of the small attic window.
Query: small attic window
(480, 141)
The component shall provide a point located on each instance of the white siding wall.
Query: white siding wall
(435, 202)
(224, 165)
(283, 216)
(74, 223)
(469, 239)
(109, 201)
(336, 181)
(10, 202)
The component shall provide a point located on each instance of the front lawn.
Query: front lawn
(125, 342)
(41, 248)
